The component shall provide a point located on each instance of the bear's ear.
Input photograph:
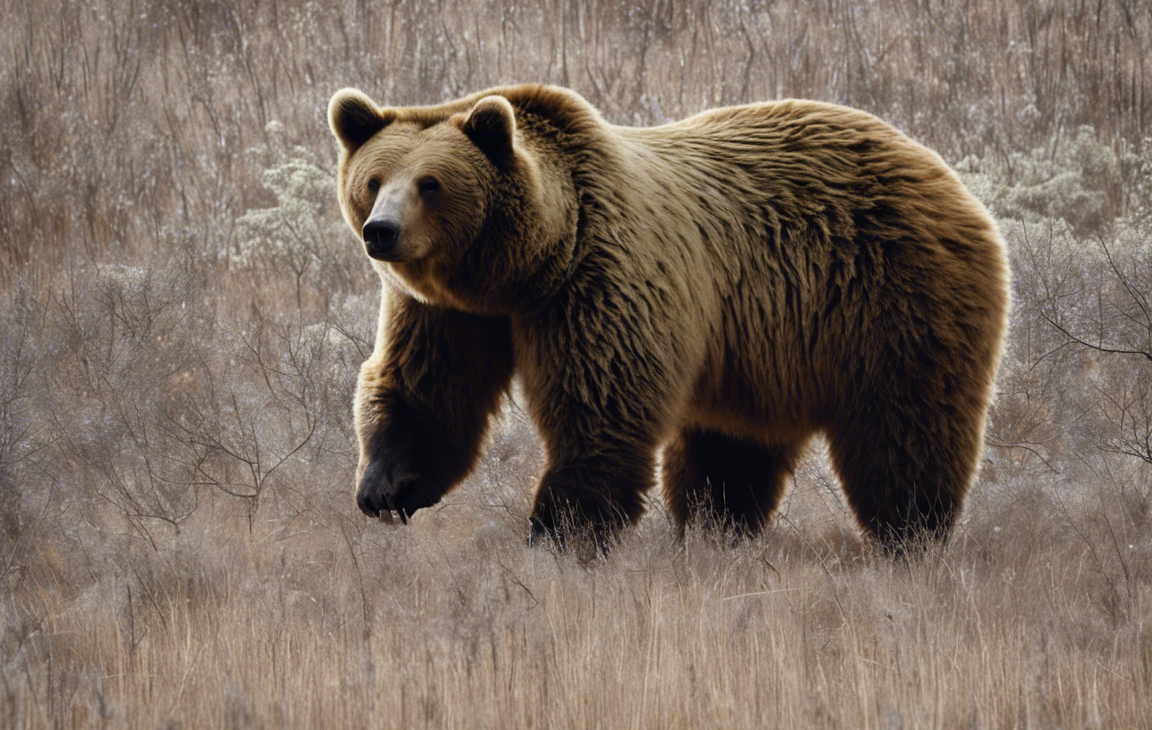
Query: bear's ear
(491, 125)
(354, 118)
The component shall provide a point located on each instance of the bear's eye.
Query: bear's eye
(428, 185)
(373, 186)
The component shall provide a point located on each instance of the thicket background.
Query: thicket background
(183, 312)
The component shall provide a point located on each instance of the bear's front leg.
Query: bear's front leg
(600, 418)
(603, 381)
(424, 401)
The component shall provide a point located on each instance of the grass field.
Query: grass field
(179, 545)
(1031, 617)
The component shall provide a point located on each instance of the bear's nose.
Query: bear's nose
(380, 236)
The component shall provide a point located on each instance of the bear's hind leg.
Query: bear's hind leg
(905, 474)
(730, 482)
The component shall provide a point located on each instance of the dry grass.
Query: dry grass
(178, 543)
(1032, 617)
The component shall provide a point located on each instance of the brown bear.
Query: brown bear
(722, 287)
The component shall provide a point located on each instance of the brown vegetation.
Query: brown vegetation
(183, 314)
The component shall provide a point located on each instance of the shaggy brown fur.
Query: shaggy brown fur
(725, 286)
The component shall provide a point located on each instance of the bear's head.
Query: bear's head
(453, 204)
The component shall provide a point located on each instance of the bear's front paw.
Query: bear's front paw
(390, 489)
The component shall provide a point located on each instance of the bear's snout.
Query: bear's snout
(380, 238)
